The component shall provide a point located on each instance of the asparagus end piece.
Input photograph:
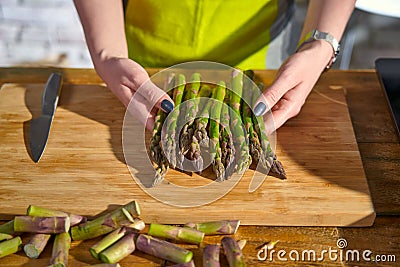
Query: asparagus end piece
(42, 225)
(223, 227)
(7, 228)
(36, 245)
(5, 237)
(182, 234)
(211, 256)
(119, 250)
(10, 246)
(163, 249)
(60, 252)
(233, 252)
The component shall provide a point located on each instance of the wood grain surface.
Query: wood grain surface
(379, 148)
(84, 163)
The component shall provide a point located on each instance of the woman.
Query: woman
(159, 33)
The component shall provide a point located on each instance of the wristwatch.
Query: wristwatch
(317, 35)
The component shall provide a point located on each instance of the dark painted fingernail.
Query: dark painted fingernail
(167, 105)
(260, 109)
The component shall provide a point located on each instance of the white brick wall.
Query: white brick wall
(38, 32)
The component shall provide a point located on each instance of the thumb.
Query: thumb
(273, 94)
(155, 96)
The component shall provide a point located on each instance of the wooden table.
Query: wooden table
(380, 152)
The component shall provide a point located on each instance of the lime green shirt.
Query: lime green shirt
(233, 32)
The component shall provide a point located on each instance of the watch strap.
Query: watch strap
(318, 35)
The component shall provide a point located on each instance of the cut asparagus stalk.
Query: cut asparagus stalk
(5, 236)
(163, 249)
(211, 256)
(119, 250)
(215, 149)
(7, 228)
(60, 252)
(181, 234)
(186, 264)
(243, 158)
(44, 212)
(108, 240)
(224, 227)
(36, 245)
(269, 160)
(10, 246)
(233, 252)
(173, 120)
(42, 225)
(108, 222)
(156, 151)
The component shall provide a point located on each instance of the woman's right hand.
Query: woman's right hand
(125, 78)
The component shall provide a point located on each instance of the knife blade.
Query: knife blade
(40, 127)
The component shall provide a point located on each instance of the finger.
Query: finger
(150, 122)
(286, 108)
(124, 94)
(283, 83)
(156, 96)
(140, 109)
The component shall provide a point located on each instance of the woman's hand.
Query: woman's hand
(125, 78)
(294, 81)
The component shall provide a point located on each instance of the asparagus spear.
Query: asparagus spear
(189, 114)
(211, 256)
(215, 149)
(42, 225)
(10, 246)
(119, 250)
(108, 240)
(254, 142)
(163, 249)
(109, 222)
(157, 154)
(224, 227)
(44, 212)
(201, 122)
(243, 157)
(268, 158)
(233, 252)
(7, 228)
(156, 151)
(226, 140)
(171, 129)
(36, 245)
(60, 252)
(5, 236)
(194, 152)
(182, 234)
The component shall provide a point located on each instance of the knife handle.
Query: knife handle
(51, 94)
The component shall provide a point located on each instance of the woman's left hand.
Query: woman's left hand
(293, 83)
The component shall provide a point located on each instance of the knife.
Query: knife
(40, 127)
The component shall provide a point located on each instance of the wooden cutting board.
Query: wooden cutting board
(83, 169)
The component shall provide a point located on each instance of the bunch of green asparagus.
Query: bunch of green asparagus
(121, 233)
(224, 127)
